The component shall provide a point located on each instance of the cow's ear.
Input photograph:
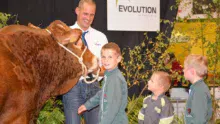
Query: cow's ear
(72, 36)
(33, 26)
(68, 40)
(61, 27)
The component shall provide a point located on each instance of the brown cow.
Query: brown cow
(33, 67)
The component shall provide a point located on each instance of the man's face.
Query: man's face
(85, 15)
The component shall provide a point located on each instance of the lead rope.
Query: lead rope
(80, 59)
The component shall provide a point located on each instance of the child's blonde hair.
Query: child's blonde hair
(163, 78)
(112, 46)
(198, 62)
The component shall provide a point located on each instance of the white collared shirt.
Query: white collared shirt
(95, 40)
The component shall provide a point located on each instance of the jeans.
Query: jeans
(77, 96)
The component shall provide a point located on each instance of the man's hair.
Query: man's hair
(81, 2)
(163, 78)
(112, 46)
(198, 62)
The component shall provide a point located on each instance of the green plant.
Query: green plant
(4, 17)
(133, 115)
(143, 60)
(140, 61)
(179, 120)
(51, 113)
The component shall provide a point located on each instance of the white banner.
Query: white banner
(133, 15)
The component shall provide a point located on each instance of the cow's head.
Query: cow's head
(72, 38)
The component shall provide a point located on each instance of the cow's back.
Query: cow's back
(16, 28)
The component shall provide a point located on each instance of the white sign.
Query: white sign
(133, 15)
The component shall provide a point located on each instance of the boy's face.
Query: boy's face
(110, 59)
(187, 72)
(153, 84)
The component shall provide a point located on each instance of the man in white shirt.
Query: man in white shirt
(81, 92)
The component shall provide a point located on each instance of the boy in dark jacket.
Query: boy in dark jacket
(113, 96)
(157, 108)
(199, 103)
